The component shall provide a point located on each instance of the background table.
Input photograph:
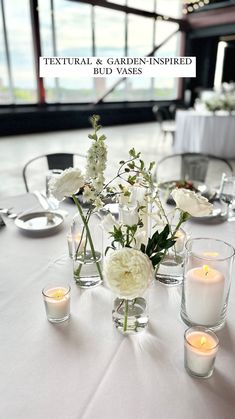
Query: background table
(206, 133)
(85, 369)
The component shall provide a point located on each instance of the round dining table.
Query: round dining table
(84, 368)
(205, 132)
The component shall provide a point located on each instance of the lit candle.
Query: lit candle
(57, 303)
(200, 348)
(75, 240)
(204, 291)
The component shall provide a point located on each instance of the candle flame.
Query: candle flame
(206, 269)
(58, 294)
(202, 340)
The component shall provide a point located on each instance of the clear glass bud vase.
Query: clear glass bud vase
(130, 315)
(170, 270)
(88, 250)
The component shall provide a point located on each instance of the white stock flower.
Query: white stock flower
(88, 194)
(96, 160)
(67, 183)
(128, 272)
(108, 223)
(188, 201)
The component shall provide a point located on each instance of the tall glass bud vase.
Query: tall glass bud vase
(144, 206)
(207, 280)
(88, 250)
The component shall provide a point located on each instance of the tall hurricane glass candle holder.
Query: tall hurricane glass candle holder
(207, 280)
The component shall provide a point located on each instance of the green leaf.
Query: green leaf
(142, 248)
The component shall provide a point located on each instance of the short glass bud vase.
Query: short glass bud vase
(207, 280)
(88, 256)
(130, 316)
(170, 270)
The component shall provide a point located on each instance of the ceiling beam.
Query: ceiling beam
(127, 9)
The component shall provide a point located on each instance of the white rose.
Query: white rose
(188, 201)
(67, 183)
(128, 272)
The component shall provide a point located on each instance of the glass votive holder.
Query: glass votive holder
(206, 284)
(57, 302)
(200, 349)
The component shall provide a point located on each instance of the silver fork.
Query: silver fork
(8, 213)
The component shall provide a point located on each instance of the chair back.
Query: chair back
(197, 167)
(36, 169)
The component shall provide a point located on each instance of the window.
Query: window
(16, 15)
(70, 28)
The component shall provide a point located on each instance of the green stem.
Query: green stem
(126, 316)
(84, 220)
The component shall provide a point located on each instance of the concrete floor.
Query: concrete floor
(15, 151)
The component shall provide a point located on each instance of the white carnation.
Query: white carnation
(188, 201)
(67, 183)
(128, 272)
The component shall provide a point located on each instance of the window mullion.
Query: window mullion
(54, 46)
(7, 52)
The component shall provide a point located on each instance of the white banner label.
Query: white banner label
(117, 67)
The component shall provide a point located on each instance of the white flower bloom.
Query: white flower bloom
(188, 201)
(108, 223)
(98, 203)
(127, 196)
(128, 272)
(88, 194)
(67, 183)
(140, 238)
(96, 159)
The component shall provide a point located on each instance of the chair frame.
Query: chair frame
(65, 160)
(182, 155)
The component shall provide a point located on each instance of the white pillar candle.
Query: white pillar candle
(204, 291)
(57, 303)
(200, 351)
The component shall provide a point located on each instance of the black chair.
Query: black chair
(34, 168)
(198, 167)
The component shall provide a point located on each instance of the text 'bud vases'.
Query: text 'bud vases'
(88, 251)
(207, 280)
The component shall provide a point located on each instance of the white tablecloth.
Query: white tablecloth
(85, 369)
(205, 133)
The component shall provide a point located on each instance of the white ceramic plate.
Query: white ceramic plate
(40, 223)
(216, 217)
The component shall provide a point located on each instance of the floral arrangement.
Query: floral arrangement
(223, 100)
(136, 253)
